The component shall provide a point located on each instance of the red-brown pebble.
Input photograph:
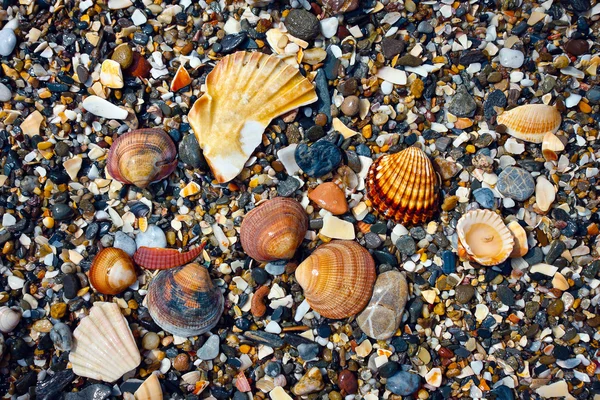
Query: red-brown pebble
(347, 382)
(181, 362)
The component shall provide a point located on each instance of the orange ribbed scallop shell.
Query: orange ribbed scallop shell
(531, 121)
(337, 278)
(112, 271)
(274, 230)
(404, 187)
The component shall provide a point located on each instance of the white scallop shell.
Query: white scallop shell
(104, 345)
(9, 319)
(484, 237)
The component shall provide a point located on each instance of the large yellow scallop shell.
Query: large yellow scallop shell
(484, 238)
(244, 92)
(531, 122)
(404, 186)
(337, 278)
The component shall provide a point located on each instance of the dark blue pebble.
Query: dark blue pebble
(308, 351)
(504, 393)
(485, 197)
(324, 98)
(273, 369)
(318, 159)
(403, 383)
(363, 150)
(324, 330)
(448, 262)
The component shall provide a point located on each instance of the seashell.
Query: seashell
(104, 346)
(9, 319)
(184, 301)
(531, 121)
(545, 193)
(337, 278)
(149, 390)
(484, 237)
(520, 246)
(244, 92)
(241, 383)
(274, 230)
(551, 145)
(112, 271)
(404, 186)
(141, 157)
(157, 258)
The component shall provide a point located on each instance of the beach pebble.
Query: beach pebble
(125, 243)
(403, 383)
(511, 58)
(8, 41)
(210, 348)
(153, 237)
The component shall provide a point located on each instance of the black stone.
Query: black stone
(71, 286)
(495, 99)
(61, 211)
(92, 392)
(288, 186)
(302, 24)
(318, 159)
(50, 388)
(506, 295)
(232, 41)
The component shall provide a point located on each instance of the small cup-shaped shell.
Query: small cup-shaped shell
(184, 301)
(551, 146)
(337, 278)
(520, 246)
(404, 186)
(9, 319)
(484, 237)
(531, 122)
(141, 157)
(112, 271)
(274, 230)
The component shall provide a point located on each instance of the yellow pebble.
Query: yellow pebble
(245, 349)
(471, 149)
(367, 131)
(48, 222)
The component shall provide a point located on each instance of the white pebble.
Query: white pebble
(8, 41)
(329, 27)
(516, 76)
(5, 93)
(387, 87)
(511, 58)
(301, 311)
(138, 18)
(572, 100)
(273, 327)
(153, 237)
(102, 108)
(8, 220)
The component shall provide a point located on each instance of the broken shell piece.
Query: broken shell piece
(531, 121)
(150, 389)
(31, 125)
(551, 146)
(545, 193)
(111, 75)
(339, 126)
(182, 79)
(483, 237)
(244, 92)
(72, 166)
(520, 246)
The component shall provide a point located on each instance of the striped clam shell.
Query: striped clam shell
(404, 187)
(184, 301)
(141, 157)
(274, 229)
(337, 278)
(531, 122)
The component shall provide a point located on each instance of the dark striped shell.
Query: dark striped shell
(404, 187)
(141, 157)
(184, 301)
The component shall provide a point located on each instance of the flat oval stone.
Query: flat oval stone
(403, 383)
(330, 197)
(516, 183)
(382, 316)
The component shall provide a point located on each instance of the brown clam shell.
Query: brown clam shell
(184, 301)
(337, 278)
(112, 271)
(141, 157)
(404, 187)
(274, 230)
